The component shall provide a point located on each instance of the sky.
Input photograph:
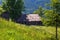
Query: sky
(32, 5)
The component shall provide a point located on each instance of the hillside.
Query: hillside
(32, 5)
(13, 31)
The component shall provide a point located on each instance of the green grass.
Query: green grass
(13, 31)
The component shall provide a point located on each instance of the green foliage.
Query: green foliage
(56, 11)
(14, 7)
(39, 11)
(52, 17)
(1, 10)
(13, 31)
(49, 18)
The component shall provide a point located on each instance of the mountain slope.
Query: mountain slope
(32, 5)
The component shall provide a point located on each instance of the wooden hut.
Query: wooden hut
(30, 19)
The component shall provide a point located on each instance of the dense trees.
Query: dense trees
(50, 17)
(56, 11)
(54, 17)
(14, 7)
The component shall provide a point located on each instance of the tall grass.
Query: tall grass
(13, 31)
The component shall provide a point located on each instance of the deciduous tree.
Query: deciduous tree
(14, 7)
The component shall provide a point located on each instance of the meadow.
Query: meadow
(14, 31)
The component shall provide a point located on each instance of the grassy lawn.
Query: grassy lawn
(13, 31)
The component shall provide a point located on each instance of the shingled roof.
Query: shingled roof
(30, 19)
(33, 17)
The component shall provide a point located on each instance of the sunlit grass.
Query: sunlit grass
(13, 31)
